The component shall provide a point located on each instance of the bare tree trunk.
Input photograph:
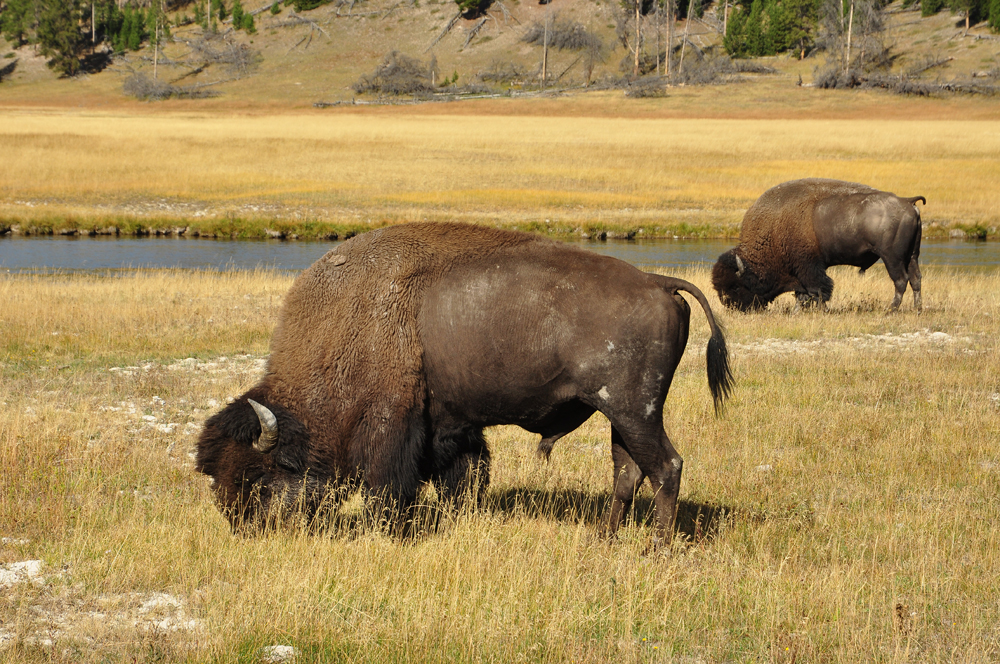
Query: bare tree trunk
(687, 24)
(93, 23)
(656, 20)
(850, 28)
(545, 52)
(671, 15)
(638, 11)
(725, 18)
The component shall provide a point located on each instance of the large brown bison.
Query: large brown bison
(797, 229)
(396, 349)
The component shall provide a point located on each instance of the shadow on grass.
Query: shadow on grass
(7, 70)
(696, 521)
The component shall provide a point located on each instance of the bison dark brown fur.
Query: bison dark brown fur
(797, 229)
(397, 348)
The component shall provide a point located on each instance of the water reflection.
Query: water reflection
(48, 254)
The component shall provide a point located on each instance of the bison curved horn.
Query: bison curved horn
(268, 428)
(740, 267)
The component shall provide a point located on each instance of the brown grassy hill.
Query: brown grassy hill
(318, 56)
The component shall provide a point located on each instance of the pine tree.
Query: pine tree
(995, 15)
(930, 7)
(59, 35)
(734, 40)
(16, 21)
(237, 14)
(753, 32)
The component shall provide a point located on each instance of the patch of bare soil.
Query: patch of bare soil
(922, 340)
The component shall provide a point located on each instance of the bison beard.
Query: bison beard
(397, 348)
(797, 229)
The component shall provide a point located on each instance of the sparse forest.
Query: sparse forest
(654, 43)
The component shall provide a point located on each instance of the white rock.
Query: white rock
(12, 573)
(276, 654)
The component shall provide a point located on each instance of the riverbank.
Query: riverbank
(242, 229)
(337, 173)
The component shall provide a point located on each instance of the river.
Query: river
(48, 254)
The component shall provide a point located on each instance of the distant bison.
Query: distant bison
(797, 229)
(397, 348)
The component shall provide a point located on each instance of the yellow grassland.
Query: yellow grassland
(844, 508)
(309, 172)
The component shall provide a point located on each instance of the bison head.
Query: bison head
(738, 285)
(255, 455)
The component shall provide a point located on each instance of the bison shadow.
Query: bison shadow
(696, 521)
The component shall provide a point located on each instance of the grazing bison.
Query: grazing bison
(797, 229)
(397, 348)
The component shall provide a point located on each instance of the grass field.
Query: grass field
(315, 174)
(844, 509)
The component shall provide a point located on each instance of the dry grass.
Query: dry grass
(306, 174)
(843, 509)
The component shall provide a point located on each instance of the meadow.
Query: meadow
(843, 508)
(586, 166)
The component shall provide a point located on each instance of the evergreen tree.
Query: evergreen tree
(733, 41)
(930, 7)
(753, 33)
(995, 15)
(59, 35)
(109, 20)
(237, 14)
(973, 11)
(17, 21)
(199, 15)
(771, 27)
(219, 10)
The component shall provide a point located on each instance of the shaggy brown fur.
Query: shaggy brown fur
(797, 229)
(347, 380)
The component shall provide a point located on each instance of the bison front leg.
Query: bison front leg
(465, 480)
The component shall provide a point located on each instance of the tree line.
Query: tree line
(768, 27)
(66, 31)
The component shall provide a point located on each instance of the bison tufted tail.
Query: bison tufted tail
(720, 377)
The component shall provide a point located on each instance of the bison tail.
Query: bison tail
(720, 377)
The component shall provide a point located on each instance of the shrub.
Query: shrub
(397, 75)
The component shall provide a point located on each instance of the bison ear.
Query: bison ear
(268, 428)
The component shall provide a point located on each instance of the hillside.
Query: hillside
(317, 55)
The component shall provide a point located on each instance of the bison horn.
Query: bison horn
(268, 428)
(740, 267)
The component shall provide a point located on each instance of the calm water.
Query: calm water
(47, 254)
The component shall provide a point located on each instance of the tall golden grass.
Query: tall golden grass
(308, 173)
(843, 509)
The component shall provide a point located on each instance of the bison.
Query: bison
(797, 229)
(394, 351)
